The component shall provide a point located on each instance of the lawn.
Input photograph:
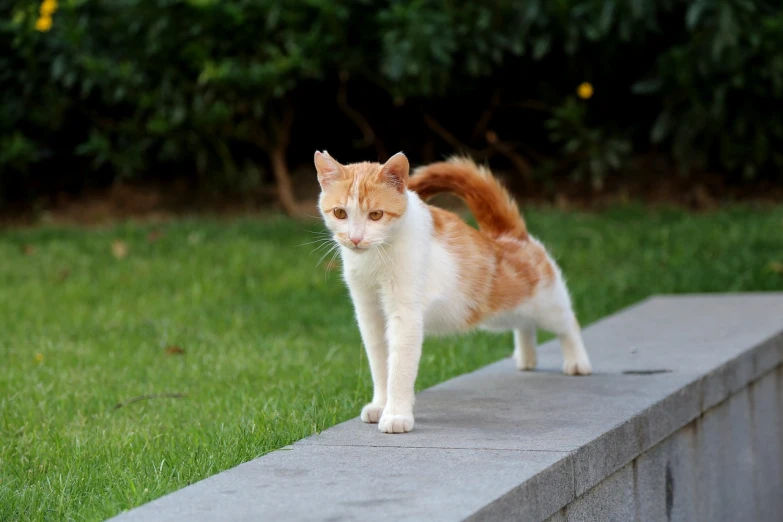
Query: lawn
(260, 342)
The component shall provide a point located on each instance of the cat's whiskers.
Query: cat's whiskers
(320, 233)
(379, 250)
(320, 240)
(325, 244)
(329, 265)
(334, 247)
(387, 255)
(326, 238)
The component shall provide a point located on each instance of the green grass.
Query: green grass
(271, 351)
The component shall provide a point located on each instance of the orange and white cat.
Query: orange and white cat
(413, 269)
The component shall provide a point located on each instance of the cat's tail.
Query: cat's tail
(492, 206)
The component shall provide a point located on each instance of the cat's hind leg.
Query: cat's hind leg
(525, 346)
(554, 313)
(575, 359)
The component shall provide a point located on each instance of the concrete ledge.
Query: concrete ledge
(726, 465)
(498, 444)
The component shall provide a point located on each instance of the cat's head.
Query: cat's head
(362, 203)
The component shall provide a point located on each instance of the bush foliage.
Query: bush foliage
(225, 91)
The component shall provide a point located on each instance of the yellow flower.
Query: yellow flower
(48, 7)
(44, 23)
(585, 90)
(39, 358)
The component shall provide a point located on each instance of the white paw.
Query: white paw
(395, 423)
(371, 413)
(577, 367)
(525, 362)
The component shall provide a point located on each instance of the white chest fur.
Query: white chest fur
(418, 264)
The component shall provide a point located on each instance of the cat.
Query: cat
(413, 268)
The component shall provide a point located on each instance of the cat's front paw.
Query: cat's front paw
(525, 362)
(395, 423)
(371, 413)
(577, 366)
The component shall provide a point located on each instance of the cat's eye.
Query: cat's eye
(339, 213)
(375, 216)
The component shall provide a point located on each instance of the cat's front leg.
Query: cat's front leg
(405, 331)
(372, 326)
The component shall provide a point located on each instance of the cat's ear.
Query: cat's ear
(395, 172)
(329, 170)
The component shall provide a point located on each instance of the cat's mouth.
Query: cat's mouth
(355, 248)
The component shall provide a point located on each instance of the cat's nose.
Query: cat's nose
(356, 240)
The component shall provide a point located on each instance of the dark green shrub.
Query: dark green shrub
(158, 85)
(722, 88)
(224, 91)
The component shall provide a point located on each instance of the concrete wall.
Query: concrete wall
(682, 420)
(727, 465)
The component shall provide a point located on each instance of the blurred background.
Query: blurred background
(135, 106)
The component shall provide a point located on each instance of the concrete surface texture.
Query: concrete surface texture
(726, 465)
(701, 440)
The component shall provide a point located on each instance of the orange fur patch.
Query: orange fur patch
(374, 193)
(500, 266)
(492, 206)
(496, 273)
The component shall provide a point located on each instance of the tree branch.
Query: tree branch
(445, 135)
(276, 148)
(522, 165)
(452, 140)
(483, 121)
